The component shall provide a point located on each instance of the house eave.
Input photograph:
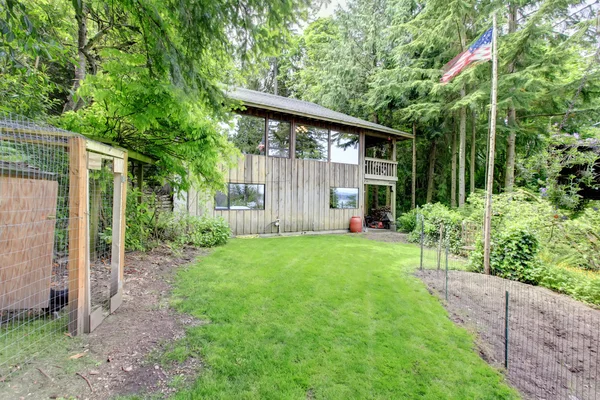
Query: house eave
(382, 129)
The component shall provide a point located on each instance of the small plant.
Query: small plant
(184, 230)
(407, 222)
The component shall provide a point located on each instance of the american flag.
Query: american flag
(481, 50)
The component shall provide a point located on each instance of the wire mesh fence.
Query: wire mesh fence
(547, 343)
(101, 193)
(58, 206)
(34, 239)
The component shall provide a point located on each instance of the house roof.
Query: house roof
(267, 101)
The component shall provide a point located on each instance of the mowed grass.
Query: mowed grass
(324, 317)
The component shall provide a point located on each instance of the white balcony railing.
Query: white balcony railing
(382, 170)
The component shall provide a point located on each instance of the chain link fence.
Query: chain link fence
(546, 343)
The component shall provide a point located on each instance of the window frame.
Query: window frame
(315, 126)
(290, 137)
(264, 195)
(345, 208)
(357, 146)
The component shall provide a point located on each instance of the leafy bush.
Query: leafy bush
(575, 283)
(513, 256)
(190, 230)
(576, 241)
(434, 216)
(407, 222)
(140, 220)
(147, 226)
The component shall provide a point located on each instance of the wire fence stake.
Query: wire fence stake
(506, 333)
(446, 272)
(422, 240)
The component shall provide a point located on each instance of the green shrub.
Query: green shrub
(208, 232)
(434, 216)
(513, 256)
(140, 220)
(576, 242)
(194, 231)
(147, 226)
(407, 222)
(577, 284)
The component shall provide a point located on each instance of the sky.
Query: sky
(328, 10)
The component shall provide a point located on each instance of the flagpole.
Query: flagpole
(490, 173)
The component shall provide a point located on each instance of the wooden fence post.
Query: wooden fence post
(77, 234)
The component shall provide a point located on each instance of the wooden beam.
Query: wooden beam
(34, 141)
(124, 206)
(102, 148)
(131, 154)
(94, 161)
(78, 235)
(117, 234)
(134, 155)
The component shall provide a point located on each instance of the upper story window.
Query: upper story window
(344, 147)
(248, 134)
(279, 138)
(378, 147)
(312, 143)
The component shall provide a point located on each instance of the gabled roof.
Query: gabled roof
(266, 101)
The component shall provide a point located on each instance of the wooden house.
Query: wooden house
(305, 168)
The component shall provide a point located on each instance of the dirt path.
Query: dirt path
(554, 341)
(385, 235)
(121, 357)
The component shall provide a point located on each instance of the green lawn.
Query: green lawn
(324, 317)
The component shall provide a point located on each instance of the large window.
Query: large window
(344, 147)
(248, 134)
(241, 196)
(279, 138)
(378, 147)
(343, 198)
(312, 143)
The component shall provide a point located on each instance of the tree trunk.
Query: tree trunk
(81, 66)
(431, 171)
(462, 157)
(473, 151)
(413, 190)
(509, 178)
(453, 172)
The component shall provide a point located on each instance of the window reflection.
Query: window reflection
(344, 147)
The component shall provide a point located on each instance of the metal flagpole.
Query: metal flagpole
(490, 173)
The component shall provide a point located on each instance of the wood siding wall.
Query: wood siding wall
(296, 192)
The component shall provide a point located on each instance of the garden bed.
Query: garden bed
(553, 340)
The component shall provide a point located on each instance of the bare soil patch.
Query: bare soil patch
(554, 341)
(121, 356)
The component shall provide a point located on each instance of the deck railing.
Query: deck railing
(381, 169)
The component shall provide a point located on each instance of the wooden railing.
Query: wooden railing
(381, 169)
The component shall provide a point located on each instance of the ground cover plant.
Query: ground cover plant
(335, 317)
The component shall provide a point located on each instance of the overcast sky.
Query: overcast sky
(327, 10)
